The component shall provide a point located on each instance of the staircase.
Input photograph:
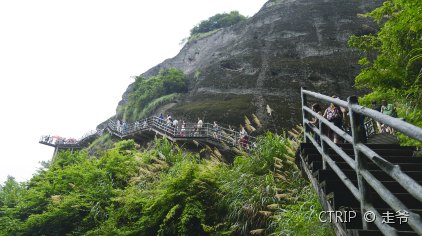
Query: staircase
(365, 188)
(340, 198)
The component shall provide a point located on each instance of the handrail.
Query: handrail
(365, 178)
(154, 123)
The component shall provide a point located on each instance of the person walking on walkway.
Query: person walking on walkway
(124, 127)
(333, 114)
(183, 129)
(243, 140)
(390, 110)
(118, 126)
(199, 126)
(215, 130)
(316, 108)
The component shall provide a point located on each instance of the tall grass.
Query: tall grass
(146, 111)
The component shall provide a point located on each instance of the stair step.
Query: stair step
(392, 159)
(385, 213)
(378, 233)
(352, 218)
(315, 165)
(333, 185)
(346, 199)
(341, 198)
(372, 146)
(382, 150)
(380, 175)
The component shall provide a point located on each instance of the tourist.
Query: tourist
(333, 114)
(183, 129)
(215, 130)
(375, 106)
(243, 140)
(161, 118)
(118, 126)
(199, 126)
(233, 135)
(390, 110)
(124, 127)
(317, 109)
(175, 124)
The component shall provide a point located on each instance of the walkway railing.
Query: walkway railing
(362, 155)
(190, 131)
(62, 142)
(223, 136)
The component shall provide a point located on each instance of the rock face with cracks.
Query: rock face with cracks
(266, 59)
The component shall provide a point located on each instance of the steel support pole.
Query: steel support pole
(361, 162)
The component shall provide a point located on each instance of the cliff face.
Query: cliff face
(265, 60)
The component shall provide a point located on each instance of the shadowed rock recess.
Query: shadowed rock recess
(265, 60)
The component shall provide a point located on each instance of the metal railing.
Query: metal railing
(190, 131)
(69, 142)
(363, 154)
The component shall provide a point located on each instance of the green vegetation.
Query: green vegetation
(216, 22)
(392, 59)
(158, 102)
(164, 191)
(151, 92)
(199, 36)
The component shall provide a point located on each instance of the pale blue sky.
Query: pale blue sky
(65, 64)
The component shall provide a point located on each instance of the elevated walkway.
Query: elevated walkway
(365, 188)
(222, 137)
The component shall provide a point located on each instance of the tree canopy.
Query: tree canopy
(147, 91)
(392, 58)
(162, 191)
(217, 21)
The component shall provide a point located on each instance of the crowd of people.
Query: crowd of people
(58, 140)
(386, 109)
(339, 116)
(173, 127)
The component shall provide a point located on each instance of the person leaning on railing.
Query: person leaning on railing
(316, 108)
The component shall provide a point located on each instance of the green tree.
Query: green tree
(217, 21)
(146, 91)
(11, 192)
(392, 59)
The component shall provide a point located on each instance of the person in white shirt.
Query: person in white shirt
(199, 126)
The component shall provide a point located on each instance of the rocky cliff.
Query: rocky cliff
(265, 60)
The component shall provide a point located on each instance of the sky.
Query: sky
(64, 65)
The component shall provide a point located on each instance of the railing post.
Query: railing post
(304, 103)
(322, 143)
(361, 163)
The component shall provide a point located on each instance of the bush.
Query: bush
(217, 21)
(167, 82)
